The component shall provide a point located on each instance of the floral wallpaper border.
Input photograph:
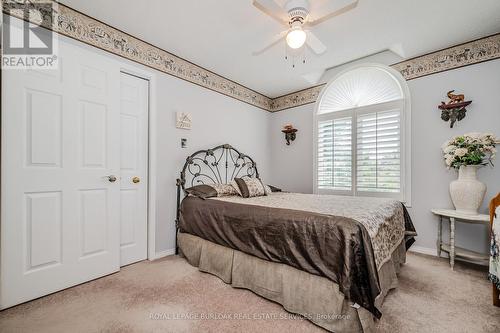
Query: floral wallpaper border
(73, 24)
(298, 98)
(473, 52)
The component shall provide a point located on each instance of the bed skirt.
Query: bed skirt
(316, 298)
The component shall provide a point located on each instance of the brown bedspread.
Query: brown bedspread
(336, 247)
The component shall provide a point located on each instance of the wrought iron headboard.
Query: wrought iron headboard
(218, 165)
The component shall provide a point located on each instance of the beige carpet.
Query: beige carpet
(157, 296)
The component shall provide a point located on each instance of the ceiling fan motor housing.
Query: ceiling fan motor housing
(297, 10)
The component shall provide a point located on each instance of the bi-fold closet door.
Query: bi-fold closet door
(134, 105)
(67, 176)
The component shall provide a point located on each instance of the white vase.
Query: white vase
(467, 193)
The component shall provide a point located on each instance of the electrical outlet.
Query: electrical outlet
(184, 143)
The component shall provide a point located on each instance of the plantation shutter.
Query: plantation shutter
(334, 155)
(363, 141)
(378, 152)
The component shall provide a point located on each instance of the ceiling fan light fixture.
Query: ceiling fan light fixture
(296, 38)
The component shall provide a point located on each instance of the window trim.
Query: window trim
(404, 104)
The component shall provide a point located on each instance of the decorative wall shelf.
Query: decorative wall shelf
(454, 110)
(290, 133)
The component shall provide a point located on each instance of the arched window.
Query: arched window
(362, 132)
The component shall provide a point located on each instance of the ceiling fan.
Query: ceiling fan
(300, 14)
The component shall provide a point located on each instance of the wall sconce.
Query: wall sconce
(290, 133)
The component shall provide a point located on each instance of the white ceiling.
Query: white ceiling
(221, 35)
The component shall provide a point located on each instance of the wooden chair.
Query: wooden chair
(494, 203)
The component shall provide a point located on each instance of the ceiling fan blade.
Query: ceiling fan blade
(271, 8)
(314, 43)
(329, 9)
(273, 41)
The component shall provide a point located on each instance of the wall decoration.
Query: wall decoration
(76, 25)
(454, 110)
(290, 133)
(183, 120)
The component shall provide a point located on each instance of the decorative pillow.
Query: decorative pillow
(268, 189)
(236, 187)
(224, 190)
(202, 191)
(213, 190)
(250, 187)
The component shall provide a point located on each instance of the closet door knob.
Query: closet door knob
(111, 178)
(136, 179)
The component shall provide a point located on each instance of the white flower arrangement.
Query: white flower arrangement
(469, 149)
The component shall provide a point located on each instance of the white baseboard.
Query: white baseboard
(423, 250)
(163, 253)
